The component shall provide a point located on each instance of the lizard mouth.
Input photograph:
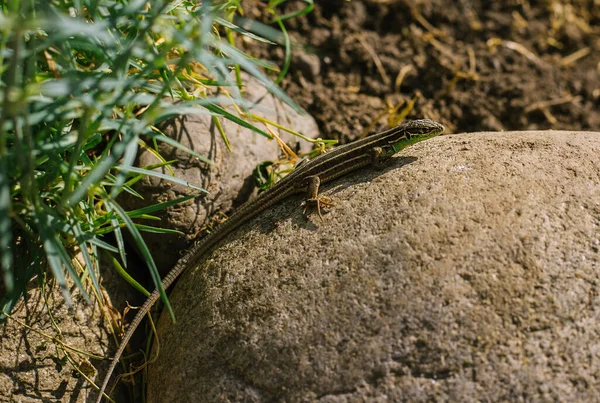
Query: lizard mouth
(437, 129)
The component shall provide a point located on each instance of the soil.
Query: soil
(473, 65)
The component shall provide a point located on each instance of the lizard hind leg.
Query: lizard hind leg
(321, 201)
(312, 184)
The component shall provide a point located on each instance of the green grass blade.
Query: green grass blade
(57, 255)
(160, 175)
(127, 162)
(6, 255)
(143, 248)
(260, 29)
(90, 266)
(156, 230)
(128, 278)
(288, 50)
(157, 207)
(242, 31)
(114, 222)
(218, 110)
(309, 7)
(101, 244)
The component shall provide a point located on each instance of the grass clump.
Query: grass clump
(83, 85)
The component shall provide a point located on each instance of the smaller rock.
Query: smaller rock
(228, 180)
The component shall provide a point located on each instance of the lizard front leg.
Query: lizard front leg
(380, 155)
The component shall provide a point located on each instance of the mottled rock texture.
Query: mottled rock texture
(467, 270)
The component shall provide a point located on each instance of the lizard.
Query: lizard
(307, 177)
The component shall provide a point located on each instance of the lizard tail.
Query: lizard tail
(191, 257)
(134, 324)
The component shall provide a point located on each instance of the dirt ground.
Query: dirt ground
(473, 65)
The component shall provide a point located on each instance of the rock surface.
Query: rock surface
(467, 270)
(228, 180)
(33, 367)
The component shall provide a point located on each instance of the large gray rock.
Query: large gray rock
(466, 271)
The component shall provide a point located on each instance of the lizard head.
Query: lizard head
(414, 131)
